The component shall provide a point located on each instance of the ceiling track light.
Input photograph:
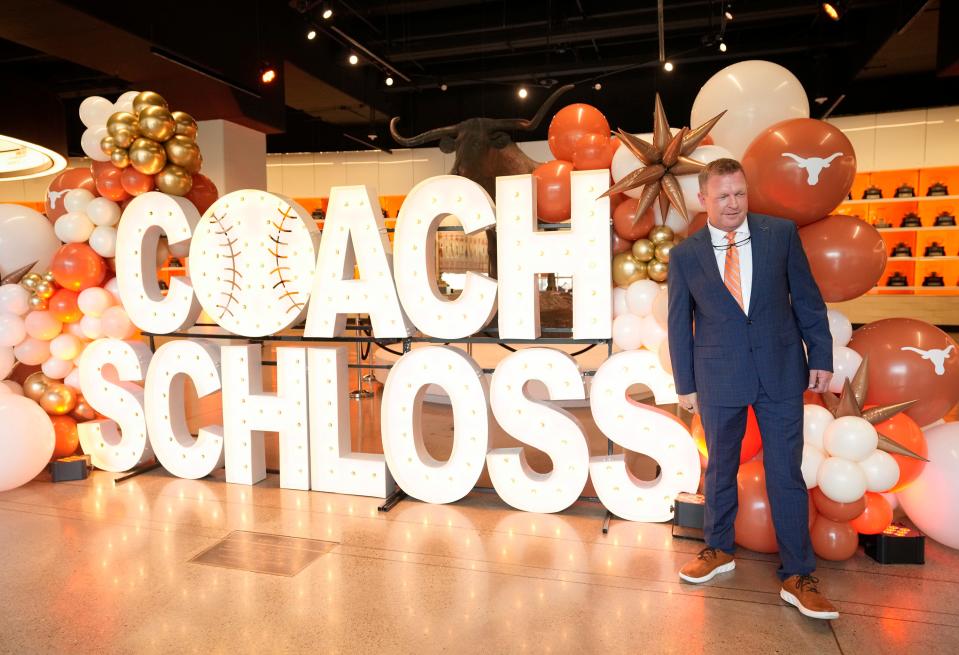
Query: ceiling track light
(389, 81)
(832, 9)
(311, 34)
(522, 93)
(443, 86)
(267, 73)
(327, 13)
(722, 46)
(668, 66)
(354, 60)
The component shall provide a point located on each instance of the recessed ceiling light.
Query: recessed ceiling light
(354, 60)
(728, 15)
(597, 87)
(443, 87)
(522, 93)
(722, 46)
(311, 35)
(389, 81)
(668, 67)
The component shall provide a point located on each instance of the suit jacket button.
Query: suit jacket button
(749, 322)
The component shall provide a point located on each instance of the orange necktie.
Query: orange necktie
(731, 275)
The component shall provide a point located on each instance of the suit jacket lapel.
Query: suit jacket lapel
(707, 259)
(759, 242)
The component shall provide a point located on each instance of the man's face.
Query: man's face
(725, 200)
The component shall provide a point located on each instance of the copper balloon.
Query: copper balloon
(847, 256)
(146, 99)
(657, 270)
(35, 385)
(82, 411)
(58, 399)
(663, 250)
(836, 511)
(183, 151)
(833, 540)
(619, 244)
(107, 145)
(156, 123)
(120, 157)
(174, 180)
(754, 521)
(185, 124)
(37, 303)
(660, 234)
(643, 250)
(44, 290)
(147, 156)
(627, 270)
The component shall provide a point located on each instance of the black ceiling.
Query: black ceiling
(882, 55)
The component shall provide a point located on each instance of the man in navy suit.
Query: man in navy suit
(742, 301)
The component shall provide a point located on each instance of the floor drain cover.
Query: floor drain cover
(264, 553)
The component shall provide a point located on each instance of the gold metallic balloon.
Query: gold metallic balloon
(44, 290)
(124, 138)
(627, 270)
(663, 250)
(30, 281)
(147, 156)
(107, 145)
(185, 124)
(184, 152)
(120, 121)
(660, 234)
(58, 399)
(120, 157)
(82, 411)
(643, 250)
(174, 180)
(35, 385)
(147, 99)
(37, 303)
(156, 123)
(657, 270)
(48, 276)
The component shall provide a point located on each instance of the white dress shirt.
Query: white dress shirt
(718, 238)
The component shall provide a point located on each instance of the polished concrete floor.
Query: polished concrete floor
(98, 567)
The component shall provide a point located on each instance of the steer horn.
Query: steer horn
(529, 125)
(426, 137)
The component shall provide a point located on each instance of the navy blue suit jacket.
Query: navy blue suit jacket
(731, 352)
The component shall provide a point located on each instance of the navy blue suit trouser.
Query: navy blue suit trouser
(781, 425)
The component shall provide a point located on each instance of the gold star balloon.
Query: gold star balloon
(663, 159)
(851, 401)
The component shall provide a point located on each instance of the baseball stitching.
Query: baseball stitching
(231, 268)
(276, 250)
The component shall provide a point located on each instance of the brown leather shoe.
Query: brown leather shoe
(801, 591)
(708, 564)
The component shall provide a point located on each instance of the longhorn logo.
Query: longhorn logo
(813, 165)
(55, 195)
(937, 357)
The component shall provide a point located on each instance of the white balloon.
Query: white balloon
(845, 363)
(113, 288)
(77, 200)
(14, 299)
(42, 325)
(812, 459)
(12, 387)
(103, 240)
(125, 102)
(73, 378)
(815, 421)
(661, 307)
(653, 333)
(627, 331)
(932, 500)
(103, 211)
(94, 111)
(91, 326)
(892, 499)
(640, 296)
(756, 94)
(839, 327)
(12, 330)
(690, 183)
(619, 302)
(90, 143)
(850, 437)
(26, 441)
(882, 471)
(65, 347)
(841, 480)
(32, 352)
(73, 227)
(94, 301)
(7, 361)
(56, 368)
(75, 329)
(26, 236)
(674, 220)
(116, 324)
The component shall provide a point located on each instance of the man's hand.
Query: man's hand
(819, 380)
(689, 402)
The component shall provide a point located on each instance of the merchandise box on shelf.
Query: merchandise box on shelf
(926, 241)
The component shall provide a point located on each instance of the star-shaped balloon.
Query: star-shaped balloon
(851, 401)
(14, 277)
(663, 159)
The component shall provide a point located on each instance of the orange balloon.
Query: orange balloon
(836, 511)
(65, 429)
(570, 125)
(72, 178)
(754, 521)
(752, 440)
(876, 517)
(906, 432)
(623, 217)
(203, 193)
(134, 182)
(812, 398)
(799, 158)
(846, 255)
(595, 151)
(109, 185)
(619, 244)
(698, 222)
(63, 305)
(77, 267)
(552, 190)
(833, 540)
